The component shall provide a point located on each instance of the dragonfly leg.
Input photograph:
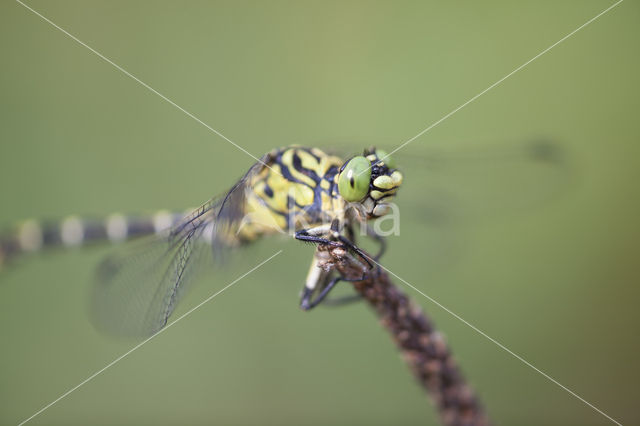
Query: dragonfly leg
(378, 239)
(307, 301)
(318, 235)
(318, 278)
(315, 235)
(383, 246)
(351, 235)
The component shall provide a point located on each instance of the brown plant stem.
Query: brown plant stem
(422, 347)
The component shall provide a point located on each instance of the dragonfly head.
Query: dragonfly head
(370, 180)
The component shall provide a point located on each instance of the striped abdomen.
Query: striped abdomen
(32, 236)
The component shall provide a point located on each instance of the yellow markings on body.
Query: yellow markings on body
(308, 161)
(302, 194)
(30, 236)
(321, 154)
(397, 178)
(162, 221)
(384, 182)
(376, 195)
(381, 209)
(389, 182)
(314, 275)
(116, 226)
(287, 159)
(72, 231)
(332, 206)
(275, 179)
(259, 219)
(328, 161)
(327, 201)
(279, 200)
(282, 189)
(259, 188)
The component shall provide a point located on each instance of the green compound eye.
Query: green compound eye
(386, 158)
(353, 182)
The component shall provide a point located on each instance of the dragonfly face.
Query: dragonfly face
(371, 180)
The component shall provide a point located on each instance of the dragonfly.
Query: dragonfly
(317, 197)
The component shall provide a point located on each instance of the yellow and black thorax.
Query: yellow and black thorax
(297, 187)
(294, 187)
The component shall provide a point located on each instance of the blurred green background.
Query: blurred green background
(555, 278)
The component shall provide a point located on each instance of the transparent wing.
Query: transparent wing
(482, 182)
(137, 288)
